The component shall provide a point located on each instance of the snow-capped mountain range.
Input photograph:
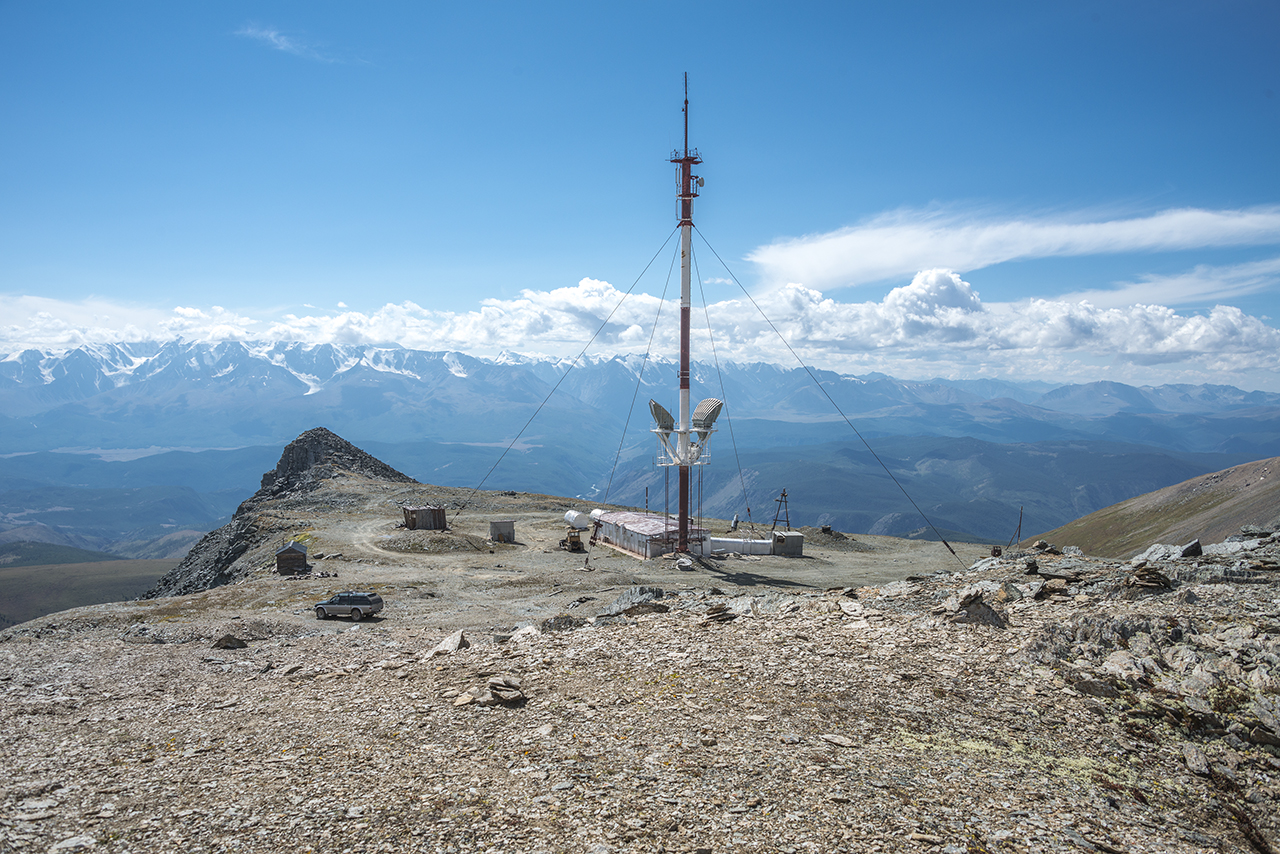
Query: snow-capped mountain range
(219, 395)
(76, 425)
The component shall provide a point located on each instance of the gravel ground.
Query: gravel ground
(808, 705)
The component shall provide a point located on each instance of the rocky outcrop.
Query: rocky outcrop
(315, 456)
(307, 462)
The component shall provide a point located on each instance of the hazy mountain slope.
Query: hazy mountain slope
(962, 484)
(26, 553)
(35, 532)
(1210, 507)
(207, 472)
(101, 515)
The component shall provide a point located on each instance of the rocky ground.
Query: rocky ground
(876, 695)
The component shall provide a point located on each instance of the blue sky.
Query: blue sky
(905, 187)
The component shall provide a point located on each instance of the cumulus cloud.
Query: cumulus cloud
(216, 324)
(935, 325)
(45, 323)
(939, 318)
(897, 244)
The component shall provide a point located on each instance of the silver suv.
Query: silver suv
(353, 605)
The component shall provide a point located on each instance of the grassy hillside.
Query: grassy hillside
(27, 592)
(35, 554)
(1211, 507)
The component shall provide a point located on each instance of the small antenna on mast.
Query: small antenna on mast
(686, 114)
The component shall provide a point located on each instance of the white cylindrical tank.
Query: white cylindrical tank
(574, 519)
(596, 514)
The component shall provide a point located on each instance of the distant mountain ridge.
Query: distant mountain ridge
(972, 451)
(240, 394)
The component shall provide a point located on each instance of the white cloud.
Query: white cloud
(42, 322)
(935, 325)
(897, 244)
(288, 44)
(1202, 284)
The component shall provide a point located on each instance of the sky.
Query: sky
(1056, 191)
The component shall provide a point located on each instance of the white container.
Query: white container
(574, 519)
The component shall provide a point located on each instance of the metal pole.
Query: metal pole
(684, 423)
(682, 454)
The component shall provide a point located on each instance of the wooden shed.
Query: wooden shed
(425, 518)
(292, 559)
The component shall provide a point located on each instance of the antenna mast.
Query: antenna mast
(689, 442)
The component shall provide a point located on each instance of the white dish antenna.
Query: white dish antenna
(662, 417)
(705, 415)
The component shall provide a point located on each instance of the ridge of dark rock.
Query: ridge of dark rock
(317, 455)
(314, 457)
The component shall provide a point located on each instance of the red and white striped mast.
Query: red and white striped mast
(691, 429)
(688, 192)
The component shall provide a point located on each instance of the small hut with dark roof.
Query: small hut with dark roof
(292, 559)
(425, 518)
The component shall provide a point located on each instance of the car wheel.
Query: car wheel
(355, 615)
(320, 614)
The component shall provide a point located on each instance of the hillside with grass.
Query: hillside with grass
(1211, 508)
(28, 592)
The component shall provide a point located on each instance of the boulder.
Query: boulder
(969, 607)
(561, 623)
(1197, 762)
(499, 691)
(453, 643)
(1165, 551)
(637, 600)
(525, 632)
(1145, 580)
